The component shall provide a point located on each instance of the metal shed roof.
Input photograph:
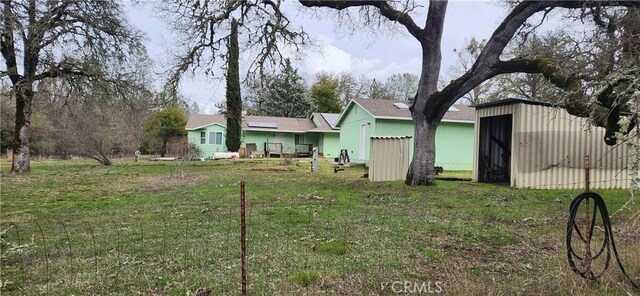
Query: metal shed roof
(510, 101)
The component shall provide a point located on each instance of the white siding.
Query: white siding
(551, 149)
(389, 158)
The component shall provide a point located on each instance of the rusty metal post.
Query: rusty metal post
(587, 223)
(243, 239)
(587, 166)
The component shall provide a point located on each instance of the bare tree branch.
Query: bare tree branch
(384, 7)
(7, 43)
(488, 63)
(264, 32)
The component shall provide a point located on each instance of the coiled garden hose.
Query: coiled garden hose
(608, 243)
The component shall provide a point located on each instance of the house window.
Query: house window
(299, 139)
(215, 138)
(203, 138)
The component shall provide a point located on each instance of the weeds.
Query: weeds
(332, 247)
(305, 278)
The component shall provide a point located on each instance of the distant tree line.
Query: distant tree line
(98, 122)
(287, 94)
(76, 81)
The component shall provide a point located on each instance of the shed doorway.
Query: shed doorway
(495, 149)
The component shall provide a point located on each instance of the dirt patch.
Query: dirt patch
(311, 196)
(278, 170)
(169, 181)
(17, 218)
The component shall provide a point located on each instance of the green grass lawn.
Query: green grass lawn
(75, 227)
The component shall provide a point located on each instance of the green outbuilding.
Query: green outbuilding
(275, 135)
(366, 118)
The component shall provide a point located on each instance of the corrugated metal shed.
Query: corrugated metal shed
(389, 158)
(546, 148)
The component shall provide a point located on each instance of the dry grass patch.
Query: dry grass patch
(173, 181)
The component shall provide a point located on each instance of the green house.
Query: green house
(276, 135)
(365, 118)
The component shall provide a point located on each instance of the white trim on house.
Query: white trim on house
(457, 121)
(273, 130)
(409, 118)
(347, 109)
(320, 131)
(206, 125)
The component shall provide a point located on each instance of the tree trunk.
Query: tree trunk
(428, 108)
(21, 162)
(104, 160)
(163, 150)
(421, 170)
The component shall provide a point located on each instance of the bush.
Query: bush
(184, 153)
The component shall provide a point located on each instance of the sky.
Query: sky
(374, 55)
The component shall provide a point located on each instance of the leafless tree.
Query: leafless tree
(265, 33)
(466, 57)
(185, 153)
(65, 39)
(96, 119)
(97, 123)
(402, 86)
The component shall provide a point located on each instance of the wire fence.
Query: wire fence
(186, 253)
(177, 254)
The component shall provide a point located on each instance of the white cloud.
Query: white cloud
(331, 58)
(327, 58)
(411, 66)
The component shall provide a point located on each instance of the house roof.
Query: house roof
(331, 118)
(300, 125)
(327, 122)
(388, 109)
(260, 123)
(510, 101)
(197, 121)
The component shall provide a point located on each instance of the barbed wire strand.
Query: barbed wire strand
(15, 226)
(95, 247)
(46, 256)
(118, 257)
(66, 234)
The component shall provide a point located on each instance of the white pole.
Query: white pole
(314, 166)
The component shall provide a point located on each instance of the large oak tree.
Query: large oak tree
(64, 39)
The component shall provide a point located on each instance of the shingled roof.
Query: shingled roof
(298, 125)
(197, 121)
(386, 109)
(327, 122)
(283, 124)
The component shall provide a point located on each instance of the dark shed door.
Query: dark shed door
(495, 149)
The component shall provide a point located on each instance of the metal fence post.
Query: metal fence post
(243, 239)
(587, 223)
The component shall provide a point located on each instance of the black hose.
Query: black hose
(608, 243)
